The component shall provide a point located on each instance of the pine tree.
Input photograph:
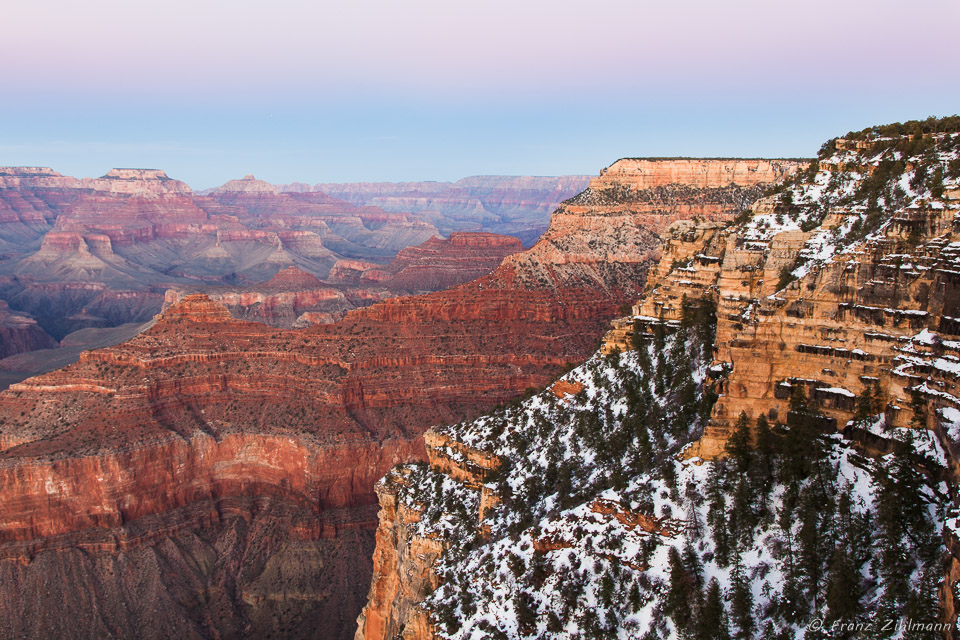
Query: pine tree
(738, 446)
(679, 602)
(918, 405)
(801, 446)
(712, 623)
(810, 538)
(866, 402)
(764, 467)
(843, 587)
(691, 563)
(717, 513)
(742, 514)
(741, 604)
(923, 604)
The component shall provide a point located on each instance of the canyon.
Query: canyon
(511, 205)
(294, 298)
(226, 468)
(101, 252)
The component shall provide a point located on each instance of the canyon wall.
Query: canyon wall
(277, 432)
(840, 288)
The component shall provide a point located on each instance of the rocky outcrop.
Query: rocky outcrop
(247, 184)
(699, 173)
(402, 567)
(441, 263)
(19, 332)
(281, 302)
(144, 182)
(657, 192)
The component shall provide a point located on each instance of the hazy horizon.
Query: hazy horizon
(427, 90)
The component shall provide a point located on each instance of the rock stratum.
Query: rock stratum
(226, 468)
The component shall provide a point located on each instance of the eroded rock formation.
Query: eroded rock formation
(294, 298)
(514, 205)
(279, 431)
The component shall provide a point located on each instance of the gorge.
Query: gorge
(223, 470)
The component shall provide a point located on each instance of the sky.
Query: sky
(370, 90)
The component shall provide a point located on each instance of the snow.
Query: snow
(951, 420)
(838, 391)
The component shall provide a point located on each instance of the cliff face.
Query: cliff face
(19, 333)
(658, 192)
(840, 290)
(442, 263)
(823, 286)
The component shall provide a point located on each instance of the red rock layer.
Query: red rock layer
(440, 263)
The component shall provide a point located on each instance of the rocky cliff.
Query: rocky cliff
(19, 333)
(832, 352)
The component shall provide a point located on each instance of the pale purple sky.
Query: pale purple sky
(376, 90)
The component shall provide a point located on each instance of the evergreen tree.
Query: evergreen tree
(712, 623)
(717, 514)
(801, 446)
(738, 446)
(742, 514)
(678, 603)
(866, 404)
(843, 587)
(923, 605)
(764, 466)
(691, 563)
(741, 604)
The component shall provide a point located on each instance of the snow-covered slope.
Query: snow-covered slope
(817, 511)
